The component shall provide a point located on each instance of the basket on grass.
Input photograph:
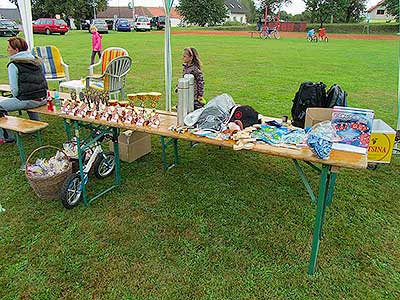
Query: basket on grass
(48, 187)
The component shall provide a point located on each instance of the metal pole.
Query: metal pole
(398, 87)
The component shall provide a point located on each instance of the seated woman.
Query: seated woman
(27, 82)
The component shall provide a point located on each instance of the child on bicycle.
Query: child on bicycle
(311, 33)
(192, 65)
(322, 33)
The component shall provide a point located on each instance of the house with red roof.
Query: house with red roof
(378, 12)
(115, 12)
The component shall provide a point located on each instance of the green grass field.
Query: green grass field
(223, 224)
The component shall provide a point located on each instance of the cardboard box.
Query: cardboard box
(381, 142)
(132, 145)
(315, 115)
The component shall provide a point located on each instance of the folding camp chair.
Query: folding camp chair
(108, 55)
(114, 77)
(54, 67)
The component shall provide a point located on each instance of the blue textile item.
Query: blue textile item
(319, 146)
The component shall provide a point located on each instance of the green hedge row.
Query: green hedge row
(374, 28)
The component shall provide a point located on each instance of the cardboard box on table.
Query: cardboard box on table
(381, 142)
(315, 115)
(132, 145)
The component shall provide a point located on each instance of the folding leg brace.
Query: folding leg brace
(164, 145)
(325, 196)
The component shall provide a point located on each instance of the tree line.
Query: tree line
(212, 12)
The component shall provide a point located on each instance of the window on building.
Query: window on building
(380, 12)
(233, 6)
(234, 19)
(241, 19)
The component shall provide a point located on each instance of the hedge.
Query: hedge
(374, 28)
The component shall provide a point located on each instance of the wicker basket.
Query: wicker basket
(48, 188)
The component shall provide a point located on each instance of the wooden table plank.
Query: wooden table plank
(21, 125)
(337, 158)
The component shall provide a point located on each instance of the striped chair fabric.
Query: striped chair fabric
(108, 55)
(114, 77)
(54, 67)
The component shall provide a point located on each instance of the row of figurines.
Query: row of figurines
(119, 114)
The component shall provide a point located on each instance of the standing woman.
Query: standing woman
(27, 82)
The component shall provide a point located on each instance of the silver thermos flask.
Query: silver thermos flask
(190, 101)
(183, 94)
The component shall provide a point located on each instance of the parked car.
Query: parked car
(110, 24)
(49, 26)
(122, 25)
(101, 25)
(8, 27)
(142, 24)
(85, 24)
(158, 22)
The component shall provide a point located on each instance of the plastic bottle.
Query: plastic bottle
(57, 102)
(50, 105)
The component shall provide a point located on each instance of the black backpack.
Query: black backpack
(336, 97)
(310, 94)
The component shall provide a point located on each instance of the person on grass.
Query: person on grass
(192, 65)
(27, 83)
(96, 43)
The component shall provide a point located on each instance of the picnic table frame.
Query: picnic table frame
(327, 172)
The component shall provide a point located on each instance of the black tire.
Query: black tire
(104, 165)
(276, 35)
(326, 39)
(71, 191)
(47, 31)
(62, 33)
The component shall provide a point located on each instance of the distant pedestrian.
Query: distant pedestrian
(96, 43)
(259, 24)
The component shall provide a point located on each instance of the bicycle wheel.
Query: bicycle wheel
(326, 39)
(276, 35)
(71, 191)
(104, 165)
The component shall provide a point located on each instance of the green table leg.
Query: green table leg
(22, 154)
(116, 157)
(324, 193)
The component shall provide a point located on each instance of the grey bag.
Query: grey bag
(216, 113)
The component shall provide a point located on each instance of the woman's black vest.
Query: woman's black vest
(32, 84)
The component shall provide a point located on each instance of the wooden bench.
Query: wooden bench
(22, 126)
(257, 33)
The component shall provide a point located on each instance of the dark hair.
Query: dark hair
(192, 52)
(18, 43)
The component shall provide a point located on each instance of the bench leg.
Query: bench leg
(22, 154)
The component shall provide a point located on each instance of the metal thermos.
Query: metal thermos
(190, 103)
(183, 94)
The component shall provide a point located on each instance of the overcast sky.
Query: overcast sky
(296, 7)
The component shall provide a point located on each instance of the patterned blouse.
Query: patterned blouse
(198, 79)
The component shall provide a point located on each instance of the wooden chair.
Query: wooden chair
(108, 55)
(114, 77)
(54, 67)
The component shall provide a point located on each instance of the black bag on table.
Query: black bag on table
(244, 115)
(310, 94)
(336, 97)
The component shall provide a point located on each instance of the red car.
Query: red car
(49, 26)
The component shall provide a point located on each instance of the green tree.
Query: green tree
(77, 9)
(349, 11)
(393, 7)
(321, 10)
(272, 5)
(202, 12)
(252, 15)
